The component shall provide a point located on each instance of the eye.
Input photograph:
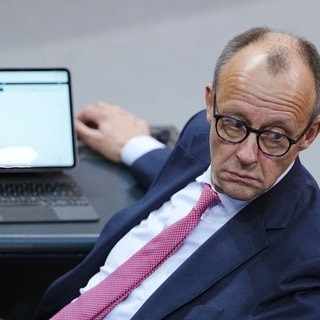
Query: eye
(273, 139)
(233, 124)
(231, 129)
(274, 136)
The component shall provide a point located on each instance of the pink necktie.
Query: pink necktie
(101, 299)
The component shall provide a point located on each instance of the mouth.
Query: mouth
(241, 178)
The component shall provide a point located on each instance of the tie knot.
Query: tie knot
(208, 198)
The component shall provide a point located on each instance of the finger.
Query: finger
(89, 114)
(85, 132)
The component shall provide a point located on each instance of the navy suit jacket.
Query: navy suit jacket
(263, 264)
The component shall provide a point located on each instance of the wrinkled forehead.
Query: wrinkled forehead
(271, 64)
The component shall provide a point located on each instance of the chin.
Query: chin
(241, 193)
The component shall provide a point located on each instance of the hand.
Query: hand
(106, 128)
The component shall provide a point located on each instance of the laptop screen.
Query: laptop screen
(36, 130)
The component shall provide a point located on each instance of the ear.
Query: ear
(311, 134)
(209, 100)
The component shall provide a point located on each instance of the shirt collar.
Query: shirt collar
(228, 203)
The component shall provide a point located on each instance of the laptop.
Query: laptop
(37, 148)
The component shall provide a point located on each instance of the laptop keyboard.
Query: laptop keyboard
(44, 193)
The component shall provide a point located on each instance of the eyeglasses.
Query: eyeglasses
(271, 143)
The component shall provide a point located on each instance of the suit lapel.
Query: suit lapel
(239, 240)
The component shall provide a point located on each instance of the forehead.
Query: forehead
(262, 75)
(276, 57)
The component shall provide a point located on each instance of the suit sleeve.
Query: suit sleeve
(147, 167)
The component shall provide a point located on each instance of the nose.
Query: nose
(247, 152)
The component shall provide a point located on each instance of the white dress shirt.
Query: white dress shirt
(138, 146)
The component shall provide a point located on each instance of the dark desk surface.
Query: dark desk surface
(109, 188)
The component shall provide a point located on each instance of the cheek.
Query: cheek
(220, 151)
(272, 168)
(222, 156)
(275, 167)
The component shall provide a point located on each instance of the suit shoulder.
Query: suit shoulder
(197, 123)
(196, 126)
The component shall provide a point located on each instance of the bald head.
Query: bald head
(281, 51)
(277, 60)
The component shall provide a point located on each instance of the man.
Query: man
(255, 255)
